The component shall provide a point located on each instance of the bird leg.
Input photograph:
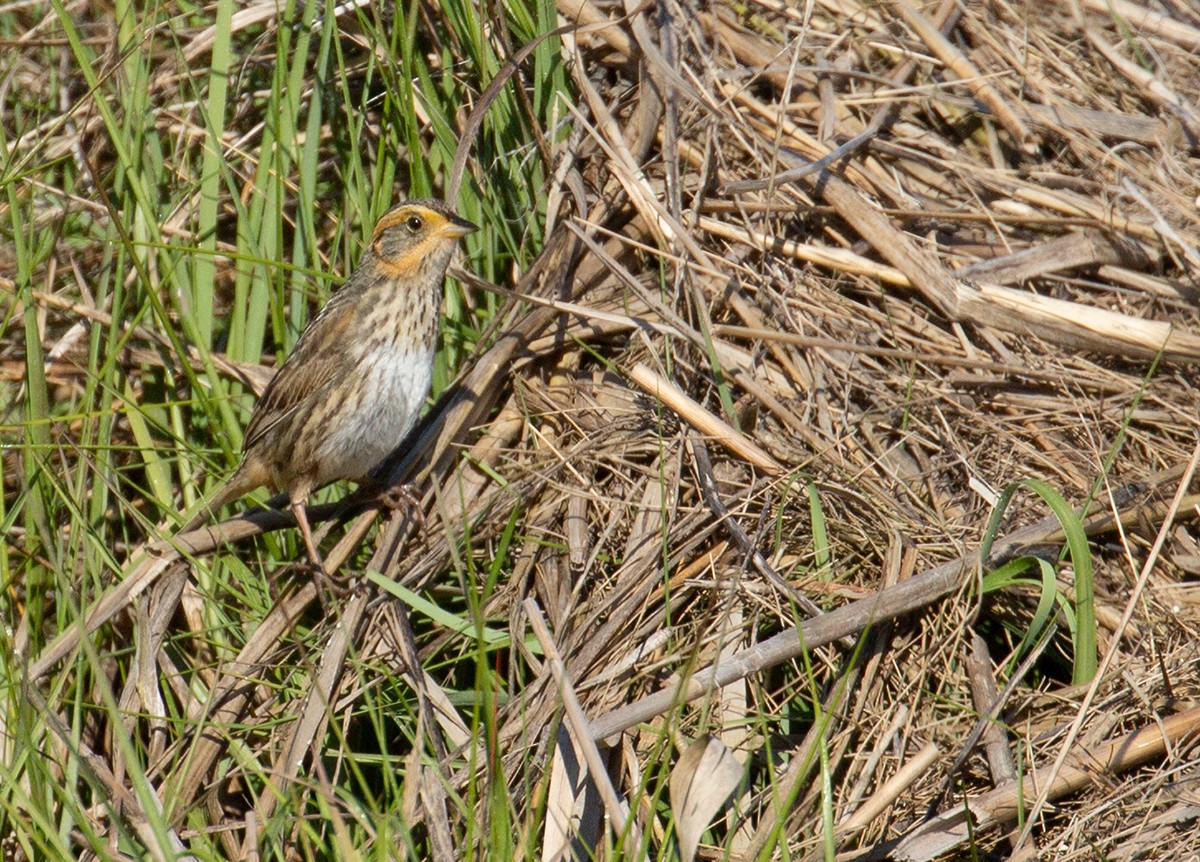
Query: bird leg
(301, 516)
(333, 582)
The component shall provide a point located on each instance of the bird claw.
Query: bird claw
(337, 584)
(402, 496)
(330, 585)
(334, 583)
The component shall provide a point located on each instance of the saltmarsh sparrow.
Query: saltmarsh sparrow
(354, 383)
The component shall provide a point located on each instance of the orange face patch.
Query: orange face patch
(397, 218)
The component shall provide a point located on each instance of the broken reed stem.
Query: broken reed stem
(1002, 805)
(712, 427)
(618, 811)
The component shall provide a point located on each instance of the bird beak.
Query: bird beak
(456, 227)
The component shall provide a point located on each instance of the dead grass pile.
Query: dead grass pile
(820, 282)
(876, 263)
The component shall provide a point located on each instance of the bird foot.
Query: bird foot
(402, 497)
(337, 585)
(333, 583)
(330, 585)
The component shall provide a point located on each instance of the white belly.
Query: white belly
(372, 428)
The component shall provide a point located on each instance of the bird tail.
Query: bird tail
(237, 485)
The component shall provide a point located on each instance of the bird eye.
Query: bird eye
(414, 223)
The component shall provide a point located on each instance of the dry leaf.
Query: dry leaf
(701, 783)
(573, 811)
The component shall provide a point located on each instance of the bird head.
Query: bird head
(417, 235)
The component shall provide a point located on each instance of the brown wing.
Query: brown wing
(316, 364)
